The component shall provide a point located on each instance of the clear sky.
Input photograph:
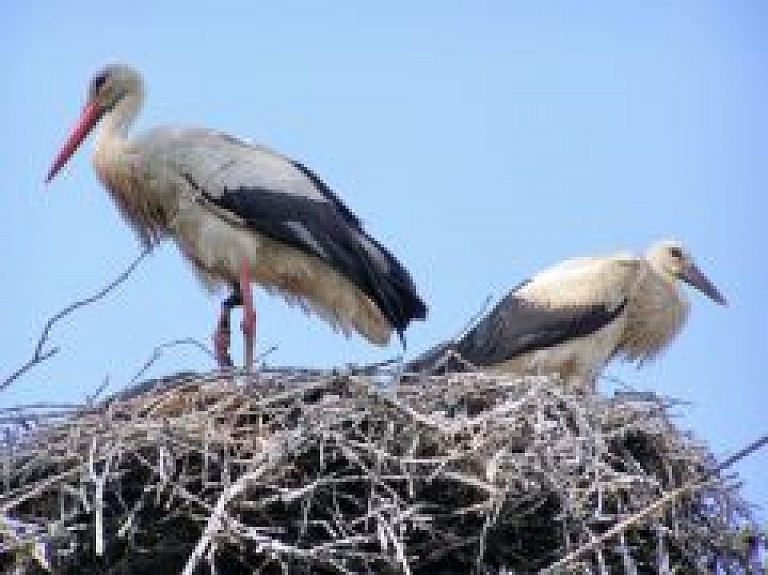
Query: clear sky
(480, 141)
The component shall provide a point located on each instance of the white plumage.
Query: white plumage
(572, 318)
(240, 212)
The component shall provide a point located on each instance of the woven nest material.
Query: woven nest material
(319, 472)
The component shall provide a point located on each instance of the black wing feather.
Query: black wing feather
(324, 189)
(329, 231)
(516, 326)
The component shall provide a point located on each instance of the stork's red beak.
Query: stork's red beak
(91, 114)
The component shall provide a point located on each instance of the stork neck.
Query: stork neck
(116, 122)
(667, 274)
(667, 281)
(657, 265)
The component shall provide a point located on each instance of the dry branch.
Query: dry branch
(668, 498)
(40, 355)
(308, 471)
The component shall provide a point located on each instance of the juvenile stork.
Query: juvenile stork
(574, 317)
(242, 212)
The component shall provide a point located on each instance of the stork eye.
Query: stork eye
(98, 82)
(676, 252)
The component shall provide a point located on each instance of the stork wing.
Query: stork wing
(220, 164)
(284, 200)
(516, 326)
(573, 299)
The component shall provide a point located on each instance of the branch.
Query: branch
(472, 322)
(158, 352)
(41, 355)
(668, 497)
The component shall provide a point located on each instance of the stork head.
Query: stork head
(672, 259)
(108, 89)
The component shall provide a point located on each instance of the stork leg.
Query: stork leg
(248, 323)
(221, 336)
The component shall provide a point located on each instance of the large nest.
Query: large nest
(302, 471)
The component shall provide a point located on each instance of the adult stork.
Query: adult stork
(241, 212)
(574, 317)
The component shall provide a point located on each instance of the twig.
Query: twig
(90, 399)
(37, 488)
(41, 355)
(214, 524)
(741, 454)
(372, 368)
(396, 543)
(158, 352)
(316, 468)
(668, 497)
(474, 319)
(264, 354)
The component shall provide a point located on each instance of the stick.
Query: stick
(39, 355)
(668, 497)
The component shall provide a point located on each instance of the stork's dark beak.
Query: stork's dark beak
(90, 115)
(693, 276)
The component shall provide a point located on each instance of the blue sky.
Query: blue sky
(479, 141)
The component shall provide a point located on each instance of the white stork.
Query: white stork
(574, 317)
(242, 212)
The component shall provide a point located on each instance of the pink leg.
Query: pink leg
(248, 324)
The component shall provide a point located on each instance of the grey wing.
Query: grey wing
(220, 163)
